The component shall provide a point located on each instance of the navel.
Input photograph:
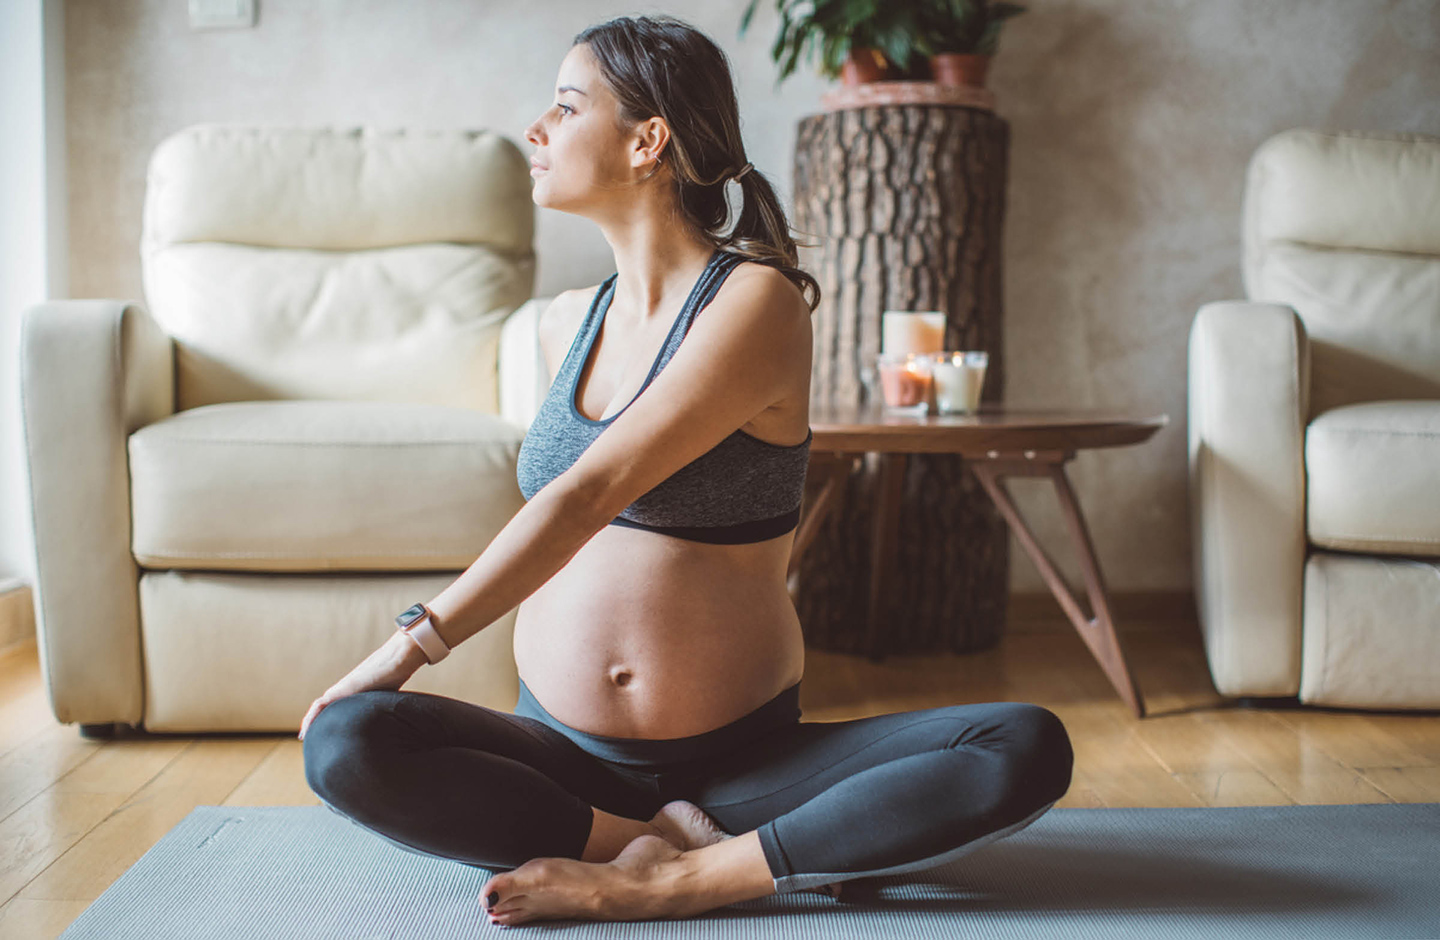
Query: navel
(621, 677)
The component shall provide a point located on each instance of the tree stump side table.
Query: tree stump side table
(905, 203)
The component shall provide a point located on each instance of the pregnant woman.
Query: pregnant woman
(656, 765)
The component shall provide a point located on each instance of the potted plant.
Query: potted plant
(857, 40)
(962, 36)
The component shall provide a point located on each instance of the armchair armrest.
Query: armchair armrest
(524, 376)
(91, 372)
(1248, 403)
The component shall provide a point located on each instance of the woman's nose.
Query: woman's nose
(532, 133)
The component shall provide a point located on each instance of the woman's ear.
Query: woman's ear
(651, 137)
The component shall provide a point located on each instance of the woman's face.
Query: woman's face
(580, 151)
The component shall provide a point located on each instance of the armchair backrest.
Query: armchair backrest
(333, 263)
(1345, 228)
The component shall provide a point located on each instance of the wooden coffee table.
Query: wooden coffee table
(995, 442)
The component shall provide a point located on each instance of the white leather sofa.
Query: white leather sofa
(1314, 429)
(310, 424)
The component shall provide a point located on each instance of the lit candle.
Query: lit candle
(905, 381)
(906, 331)
(958, 378)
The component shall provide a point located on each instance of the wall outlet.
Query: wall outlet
(221, 14)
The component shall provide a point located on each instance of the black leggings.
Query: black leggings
(830, 800)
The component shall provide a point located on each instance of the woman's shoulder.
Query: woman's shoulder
(773, 284)
(560, 321)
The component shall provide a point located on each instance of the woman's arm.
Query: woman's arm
(537, 542)
(735, 362)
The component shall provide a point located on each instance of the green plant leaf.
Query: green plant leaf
(745, 17)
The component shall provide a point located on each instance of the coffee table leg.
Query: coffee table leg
(882, 545)
(1098, 631)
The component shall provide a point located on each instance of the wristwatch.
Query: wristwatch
(418, 623)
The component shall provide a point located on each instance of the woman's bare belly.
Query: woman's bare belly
(642, 635)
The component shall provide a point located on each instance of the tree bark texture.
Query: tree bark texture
(902, 207)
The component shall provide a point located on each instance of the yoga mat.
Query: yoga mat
(1243, 872)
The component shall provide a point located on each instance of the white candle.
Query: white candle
(906, 331)
(958, 378)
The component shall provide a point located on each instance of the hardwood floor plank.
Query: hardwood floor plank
(45, 829)
(1080, 797)
(1237, 787)
(1355, 741)
(1419, 732)
(278, 778)
(1297, 765)
(1406, 784)
(206, 773)
(22, 719)
(1185, 744)
(51, 753)
(38, 918)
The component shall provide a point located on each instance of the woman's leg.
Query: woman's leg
(444, 777)
(832, 801)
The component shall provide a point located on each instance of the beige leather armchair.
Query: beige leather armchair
(1314, 429)
(310, 424)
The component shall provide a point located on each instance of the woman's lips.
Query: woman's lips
(536, 166)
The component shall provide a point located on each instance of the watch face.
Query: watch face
(411, 615)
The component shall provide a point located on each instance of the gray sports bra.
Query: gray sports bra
(741, 490)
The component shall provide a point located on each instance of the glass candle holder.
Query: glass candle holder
(958, 379)
(905, 381)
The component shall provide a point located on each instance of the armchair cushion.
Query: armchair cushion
(336, 263)
(321, 485)
(1345, 228)
(1370, 637)
(1373, 473)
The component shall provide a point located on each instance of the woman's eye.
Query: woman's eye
(565, 107)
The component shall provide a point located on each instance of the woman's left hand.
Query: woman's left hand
(389, 667)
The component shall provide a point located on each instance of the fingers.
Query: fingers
(315, 708)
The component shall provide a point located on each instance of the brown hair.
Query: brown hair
(663, 66)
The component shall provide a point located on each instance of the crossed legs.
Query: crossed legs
(816, 802)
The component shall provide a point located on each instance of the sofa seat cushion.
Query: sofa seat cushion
(1369, 638)
(1373, 472)
(321, 485)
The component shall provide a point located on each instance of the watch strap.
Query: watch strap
(422, 631)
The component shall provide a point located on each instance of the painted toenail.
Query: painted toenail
(492, 898)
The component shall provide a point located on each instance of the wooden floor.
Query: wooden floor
(75, 813)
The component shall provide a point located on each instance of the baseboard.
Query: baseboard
(1129, 608)
(17, 612)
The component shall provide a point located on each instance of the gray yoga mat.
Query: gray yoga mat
(1243, 872)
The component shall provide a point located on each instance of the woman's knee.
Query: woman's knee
(342, 742)
(1043, 757)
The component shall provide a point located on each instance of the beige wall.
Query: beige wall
(1131, 126)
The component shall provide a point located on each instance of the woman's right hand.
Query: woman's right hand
(389, 667)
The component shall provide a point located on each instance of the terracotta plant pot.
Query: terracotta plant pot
(866, 64)
(958, 68)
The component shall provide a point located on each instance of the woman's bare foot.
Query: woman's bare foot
(633, 886)
(687, 826)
